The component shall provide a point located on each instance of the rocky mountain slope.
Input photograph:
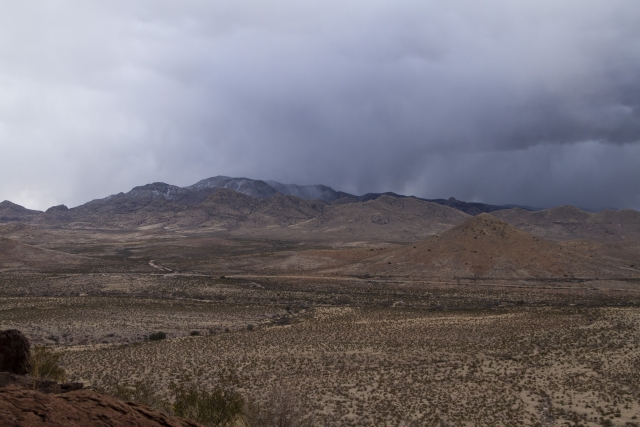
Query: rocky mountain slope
(386, 217)
(227, 210)
(12, 212)
(145, 196)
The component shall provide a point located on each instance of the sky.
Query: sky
(499, 101)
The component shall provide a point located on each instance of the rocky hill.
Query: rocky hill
(386, 217)
(484, 246)
(569, 222)
(11, 212)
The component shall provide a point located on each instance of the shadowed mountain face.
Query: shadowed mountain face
(484, 246)
(12, 212)
(309, 192)
(470, 208)
(249, 187)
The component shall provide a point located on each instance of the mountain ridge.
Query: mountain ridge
(245, 206)
(198, 192)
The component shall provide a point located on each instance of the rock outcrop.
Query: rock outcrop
(21, 407)
(42, 385)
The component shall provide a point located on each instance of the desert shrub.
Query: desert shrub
(44, 365)
(223, 406)
(250, 327)
(143, 391)
(281, 409)
(220, 407)
(157, 336)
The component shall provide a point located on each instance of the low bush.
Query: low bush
(220, 407)
(281, 409)
(143, 391)
(157, 336)
(44, 364)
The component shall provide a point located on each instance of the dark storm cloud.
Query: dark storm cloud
(497, 101)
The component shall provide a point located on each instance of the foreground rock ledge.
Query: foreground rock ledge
(23, 407)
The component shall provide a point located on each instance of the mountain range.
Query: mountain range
(198, 192)
(245, 206)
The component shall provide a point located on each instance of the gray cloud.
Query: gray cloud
(534, 102)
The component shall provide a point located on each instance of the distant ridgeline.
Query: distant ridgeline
(199, 191)
(247, 206)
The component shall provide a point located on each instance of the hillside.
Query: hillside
(16, 256)
(226, 210)
(12, 212)
(384, 218)
(484, 246)
(229, 210)
(568, 222)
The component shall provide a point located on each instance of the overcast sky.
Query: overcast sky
(499, 101)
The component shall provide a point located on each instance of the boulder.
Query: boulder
(14, 352)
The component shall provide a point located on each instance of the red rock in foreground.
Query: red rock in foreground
(21, 407)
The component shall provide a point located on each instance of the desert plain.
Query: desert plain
(389, 312)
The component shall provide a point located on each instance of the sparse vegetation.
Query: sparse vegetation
(142, 391)
(220, 407)
(45, 364)
(341, 343)
(281, 409)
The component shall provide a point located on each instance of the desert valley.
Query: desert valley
(379, 310)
